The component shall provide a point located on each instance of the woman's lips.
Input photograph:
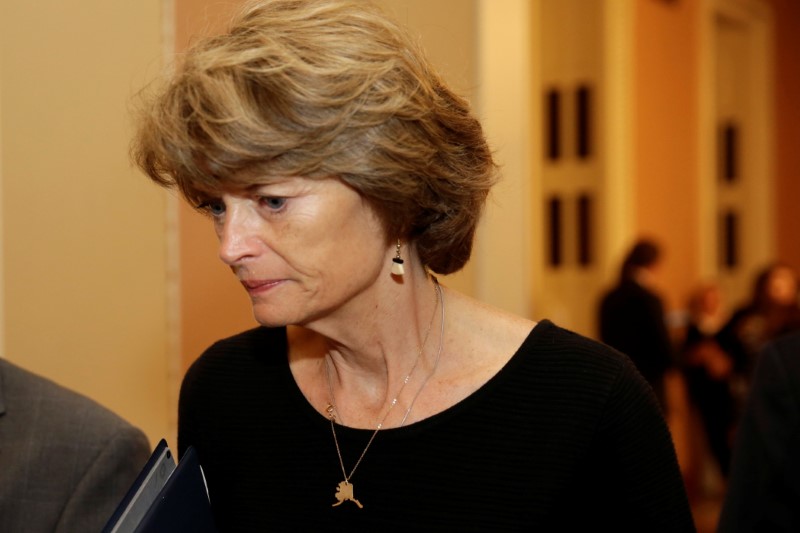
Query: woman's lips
(257, 286)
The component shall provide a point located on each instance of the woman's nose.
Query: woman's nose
(237, 237)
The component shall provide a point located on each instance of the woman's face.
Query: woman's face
(710, 300)
(303, 249)
(782, 286)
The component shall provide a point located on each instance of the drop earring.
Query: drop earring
(397, 262)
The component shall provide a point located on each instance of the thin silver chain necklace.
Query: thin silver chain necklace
(344, 491)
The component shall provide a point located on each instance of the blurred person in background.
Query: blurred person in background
(763, 493)
(773, 310)
(631, 316)
(65, 461)
(708, 370)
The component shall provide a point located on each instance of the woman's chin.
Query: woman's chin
(270, 318)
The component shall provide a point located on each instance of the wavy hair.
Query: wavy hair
(324, 89)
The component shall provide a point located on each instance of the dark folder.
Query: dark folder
(165, 497)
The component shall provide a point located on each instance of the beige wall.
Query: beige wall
(83, 236)
(666, 137)
(211, 304)
(786, 17)
(503, 257)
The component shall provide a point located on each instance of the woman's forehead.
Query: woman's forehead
(251, 181)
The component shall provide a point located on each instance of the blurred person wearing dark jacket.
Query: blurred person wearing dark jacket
(708, 369)
(772, 311)
(764, 488)
(631, 316)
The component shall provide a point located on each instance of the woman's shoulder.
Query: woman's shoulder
(572, 375)
(550, 337)
(255, 341)
(512, 350)
(241, 353)
(235, 374)
(499, 338)
(570, 355)
(563, 373)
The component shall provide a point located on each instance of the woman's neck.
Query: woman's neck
(380, 349)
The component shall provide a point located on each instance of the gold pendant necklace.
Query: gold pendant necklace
(344, 490)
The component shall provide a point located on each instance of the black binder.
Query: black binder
(165, 497)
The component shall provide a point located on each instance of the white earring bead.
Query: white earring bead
(397, 267)
(397, 262)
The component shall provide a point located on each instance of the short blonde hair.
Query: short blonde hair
(320, 89)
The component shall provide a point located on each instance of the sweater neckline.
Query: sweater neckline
(321, 422)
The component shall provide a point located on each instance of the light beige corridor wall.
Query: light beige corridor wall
(83, 234)
(665, 144)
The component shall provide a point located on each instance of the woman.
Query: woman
(708, 371)
(773, 311)
(341, 173)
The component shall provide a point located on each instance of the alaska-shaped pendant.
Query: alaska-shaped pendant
(344, 492)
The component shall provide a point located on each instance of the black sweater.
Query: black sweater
(567, 436)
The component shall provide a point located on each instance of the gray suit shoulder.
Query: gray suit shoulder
(35, 397)
(66, 460)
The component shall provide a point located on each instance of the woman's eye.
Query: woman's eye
(273, 202)
(215, 208)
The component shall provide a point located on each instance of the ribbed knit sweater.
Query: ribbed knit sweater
(567, 436)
